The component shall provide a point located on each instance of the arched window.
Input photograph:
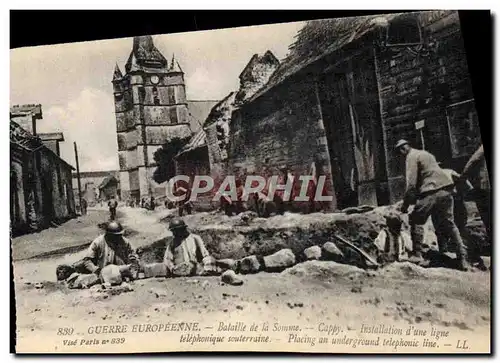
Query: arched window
(404, 30)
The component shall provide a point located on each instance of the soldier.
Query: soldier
(186, 254)
(430, 189)
(110, 248)
(84, 206)
(462, 188)
(476, 169)
(112, 204)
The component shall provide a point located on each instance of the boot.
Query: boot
(417, 236)
(416, 258)
(462, 264)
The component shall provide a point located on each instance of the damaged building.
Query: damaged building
(207, 153)
(40, 180)
(98, 185)
(351, 88)
(337, 104)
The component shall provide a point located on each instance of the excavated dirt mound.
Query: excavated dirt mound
(244, 235)
(233, 237)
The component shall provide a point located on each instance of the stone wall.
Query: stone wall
(282, 128)
(43, 190)
(419, 84)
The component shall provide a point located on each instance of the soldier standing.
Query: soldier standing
(430, 189)
(476, 169)
(112, 204)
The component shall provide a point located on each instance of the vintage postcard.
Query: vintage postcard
(316, 186)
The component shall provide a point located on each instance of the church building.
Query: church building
(151, 108)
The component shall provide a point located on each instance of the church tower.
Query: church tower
(150, 109)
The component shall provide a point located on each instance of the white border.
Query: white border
(193, 4)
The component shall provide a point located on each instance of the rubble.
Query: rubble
(229, 277)
(312, 253)
(324, 270)
(249, 265)
(279, 261)
(332, 252)
(227, 264)
(158, 293)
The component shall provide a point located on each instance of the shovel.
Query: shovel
(359, 250)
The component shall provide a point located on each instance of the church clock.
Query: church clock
(155, 79)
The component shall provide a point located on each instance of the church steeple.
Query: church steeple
(145, 54)
(174, 66)
(117, 75)
(150, 95)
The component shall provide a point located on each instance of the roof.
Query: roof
(217, 111)
(200, 138)
(25, 140)
(199, 110)
(97, 174)
(23, 110)
(268, 57)
(197, 141)
(107, 180)
(175, 66)
(51, 136)
(319, 38)
(117, 74)
(144, 53)
(249, 64)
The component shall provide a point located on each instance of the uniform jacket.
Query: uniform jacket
(191, 251)
(100, 254)
(423, 174)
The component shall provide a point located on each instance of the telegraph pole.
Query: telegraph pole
(78, 177)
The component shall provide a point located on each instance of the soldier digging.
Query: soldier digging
(430, 189)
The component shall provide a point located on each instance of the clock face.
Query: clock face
(155, 79)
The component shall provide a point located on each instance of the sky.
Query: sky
(72, 81)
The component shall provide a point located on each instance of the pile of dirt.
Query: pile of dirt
(240, 236)
(323, 270)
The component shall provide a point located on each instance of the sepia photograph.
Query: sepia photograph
(316, 186)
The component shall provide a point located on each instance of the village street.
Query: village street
(308, 293)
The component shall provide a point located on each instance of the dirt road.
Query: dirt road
(314, 296)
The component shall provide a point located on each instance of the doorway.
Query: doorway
(351, 115)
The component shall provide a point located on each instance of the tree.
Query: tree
(164, 158)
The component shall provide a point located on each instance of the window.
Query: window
(142, 94)
(156, 99)
(59, 179)
(173, 116)
(127, 98)
(171, 95)
(404, 30)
